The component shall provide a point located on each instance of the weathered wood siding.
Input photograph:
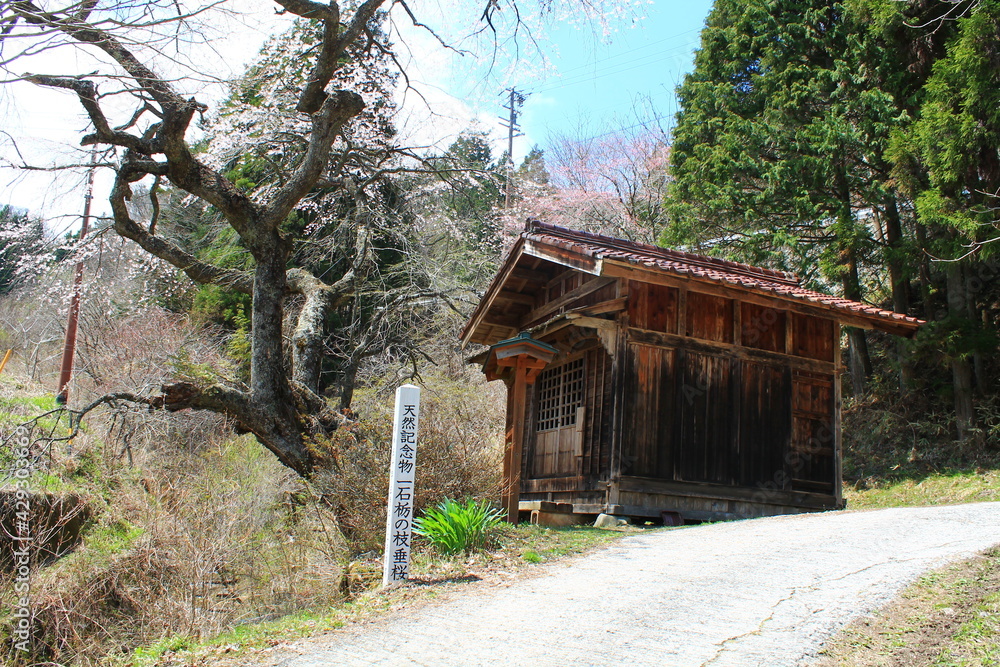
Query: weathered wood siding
(597, 418)
(764, 423)
(704, 418)
(653, 369)
(718, 398)
(652, 307)
(812, 459)
(720, 413)
(709, 317)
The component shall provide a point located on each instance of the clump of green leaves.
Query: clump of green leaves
(453, 527)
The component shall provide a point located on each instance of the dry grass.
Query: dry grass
(196, 532)
(183, 543)
(458, 456)
(434, 579)
(948, 617)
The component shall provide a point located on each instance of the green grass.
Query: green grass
(947, 618)
(150, 654)
(537, 544)
(112, 538)
(251, 636)
(944, 488)
(977, 641)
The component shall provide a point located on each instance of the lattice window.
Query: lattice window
(560, 393)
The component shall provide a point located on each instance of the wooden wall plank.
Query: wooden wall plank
(763, 328)
(652, 307)
(813, 337)
(750, 295)
(710, 317)
(812, 461)
(704, 406)
(649, 427)
(711, 347)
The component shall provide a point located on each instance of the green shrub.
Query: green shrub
(453, 527)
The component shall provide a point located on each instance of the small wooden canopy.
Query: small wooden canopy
(504, 356)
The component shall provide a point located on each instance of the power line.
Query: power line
(619, 68)
(639, 48)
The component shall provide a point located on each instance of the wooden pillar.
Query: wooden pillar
(512, 457)
(516, 361)
(508, 445)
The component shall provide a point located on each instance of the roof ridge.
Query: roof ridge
(703, 261)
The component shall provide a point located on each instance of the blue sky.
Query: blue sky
(600, 84)
(591, 84)
(581, 79)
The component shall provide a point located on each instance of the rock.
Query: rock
(609, 521)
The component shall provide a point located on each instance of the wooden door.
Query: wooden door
(559, 421)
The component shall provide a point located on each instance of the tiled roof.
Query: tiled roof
(699, 267)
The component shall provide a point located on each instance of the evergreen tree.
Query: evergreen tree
(476, 183)
(853, 143)
(777, 153)
(948, 161)
(533, 168)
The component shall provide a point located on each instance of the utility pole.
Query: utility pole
(515, 100)
(69, 349)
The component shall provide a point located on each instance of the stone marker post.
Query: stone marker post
(402, 475)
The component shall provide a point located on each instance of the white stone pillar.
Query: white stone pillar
(402, 479)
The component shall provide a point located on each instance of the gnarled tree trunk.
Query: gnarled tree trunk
(280, 406)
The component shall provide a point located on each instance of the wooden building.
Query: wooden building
(646, 380)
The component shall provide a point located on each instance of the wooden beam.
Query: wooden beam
(838, 448)
(609, 306)
(513, 459)
(561, 275)
(520, 362)
(737, 322)
(495, 321)
(563, 257)
(790, 333)
(563, 484)
(682, 311)
(661, 339)
(721, 491)
(543, 311)
(749, 295)
(539, 278)
(516, 297)
(591, 322)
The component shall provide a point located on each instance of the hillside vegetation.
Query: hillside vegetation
(256, 296)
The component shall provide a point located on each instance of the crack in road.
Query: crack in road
(760, 628)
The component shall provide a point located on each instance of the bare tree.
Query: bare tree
(280, 405)
(128, 54)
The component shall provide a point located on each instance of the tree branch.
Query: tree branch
(196, 269)
(87, 92)
(338, 108)
(81, 31)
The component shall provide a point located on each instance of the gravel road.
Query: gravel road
(765, 592)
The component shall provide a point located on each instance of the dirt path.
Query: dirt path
(766, 592)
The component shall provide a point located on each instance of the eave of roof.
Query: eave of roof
(603, 255)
